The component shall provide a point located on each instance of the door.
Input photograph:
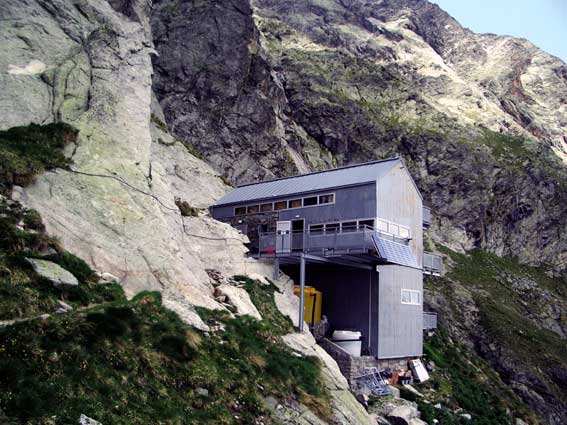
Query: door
(297, 230)
(283, 237)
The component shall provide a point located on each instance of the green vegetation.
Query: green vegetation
(22, 292)
(509, 297)
(159, 123)
(460, 381)
(135, 362)
(186, 209)
(28, 151)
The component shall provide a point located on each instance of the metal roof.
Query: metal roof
(321, 180)
(395, 252)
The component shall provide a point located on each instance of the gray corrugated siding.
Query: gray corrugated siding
(338, 177)
(400, 326)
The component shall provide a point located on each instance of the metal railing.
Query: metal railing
(432, 264)
(429, 320)
(328, 241)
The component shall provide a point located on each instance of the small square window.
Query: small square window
(266, 207)
(316, 229)
(366, 224)
(394, 229)
(411, 297)
(240, 211)
(312, 200)
(280, 205)
(383, 226)
(332, 227)
(327, 199)
(349, 226)
(295, 203)
(252, 209)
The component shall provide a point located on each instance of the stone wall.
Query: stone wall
(352, 367)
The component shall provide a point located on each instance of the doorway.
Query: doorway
(297, 232)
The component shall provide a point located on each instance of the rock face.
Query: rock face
(54, 273)
(88, 63)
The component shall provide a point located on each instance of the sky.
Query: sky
(543, 22)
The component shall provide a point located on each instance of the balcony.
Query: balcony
(429, 320)
(334, 242)
(426, 217)
(432, 264)
(362, 243)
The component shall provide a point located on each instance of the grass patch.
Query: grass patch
(186, 209)
(460, 381)
(135, 362)
(22, 292)
(28, 151)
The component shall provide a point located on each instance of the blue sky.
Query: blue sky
(543, 22)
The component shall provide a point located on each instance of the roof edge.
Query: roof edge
(324, 171)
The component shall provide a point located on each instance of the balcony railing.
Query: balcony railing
(432, 264)
(429, 320)
(426, 217)
(328, 242)
(336, 242)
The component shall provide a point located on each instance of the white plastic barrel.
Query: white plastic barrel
(350, 341)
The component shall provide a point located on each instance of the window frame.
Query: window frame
(270, 204)
(411, 292)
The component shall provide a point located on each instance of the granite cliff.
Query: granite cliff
(171, 100)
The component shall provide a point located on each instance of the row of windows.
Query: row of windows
(410, 296)
(385, 226)
(341, 227)
(308, 201)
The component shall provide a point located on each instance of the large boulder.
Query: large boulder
(57, 275)
(239, 298)
(403, 415)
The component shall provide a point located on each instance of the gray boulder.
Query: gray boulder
(403, 415)
(85, 420)
(56, 274)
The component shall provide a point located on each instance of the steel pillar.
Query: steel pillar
(302, 292)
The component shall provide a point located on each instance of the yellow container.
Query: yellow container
(313, 303)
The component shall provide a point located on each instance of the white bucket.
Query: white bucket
(350, 341)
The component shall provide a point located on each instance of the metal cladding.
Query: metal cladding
(395, 252)
(322, 180)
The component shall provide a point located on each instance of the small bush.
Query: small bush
(30, 150)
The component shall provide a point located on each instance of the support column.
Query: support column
(276, 268)
(302, 292)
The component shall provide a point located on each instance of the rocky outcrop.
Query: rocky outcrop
(217, 91)
(88, 63)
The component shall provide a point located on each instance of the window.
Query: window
(349, 226)
(266, 207)
(295, 203)
(327, 199)
(240, 211)
(316, 229)
(411, 297)
(395, 229)
(312, 200)
(252, 209)
(382, 226)
(280, 205)
(332, 227)
(362, 224)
